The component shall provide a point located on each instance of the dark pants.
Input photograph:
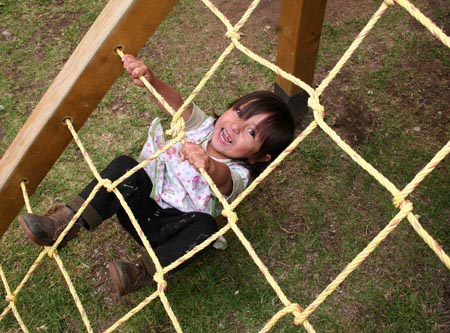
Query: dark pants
(171, 232)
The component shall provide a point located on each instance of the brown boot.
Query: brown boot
(45, 229)
(129, 276)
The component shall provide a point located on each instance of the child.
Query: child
(172, 203)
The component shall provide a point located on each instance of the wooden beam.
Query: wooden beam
(298, 40)
(76, 91)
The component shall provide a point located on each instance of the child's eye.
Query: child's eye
(252, 132)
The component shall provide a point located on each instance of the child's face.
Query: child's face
(235, 137)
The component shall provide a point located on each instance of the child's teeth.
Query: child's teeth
(225, 136)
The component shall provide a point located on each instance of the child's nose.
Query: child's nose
(235, 127)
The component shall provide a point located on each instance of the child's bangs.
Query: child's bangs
(267, 126)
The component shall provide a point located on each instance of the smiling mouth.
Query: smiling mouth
(224, 136)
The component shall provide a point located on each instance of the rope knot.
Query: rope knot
(176, 127)
(314, 104)
(159, 279)
(404, 204)
(390, 2)
(51, 253)
(106, 183)
(398, 200)
(10, 298)
(232, 216)
(233, 34)
(296, 310)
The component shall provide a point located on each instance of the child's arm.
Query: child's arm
(219, 172)
(137, 68)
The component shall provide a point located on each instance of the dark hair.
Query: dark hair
(276, 131)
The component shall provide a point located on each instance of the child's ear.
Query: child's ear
(264, 158)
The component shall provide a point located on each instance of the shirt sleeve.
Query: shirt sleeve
(238, 185)
(196, 119)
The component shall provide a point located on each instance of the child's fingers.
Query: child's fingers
(138, 82)
(127, 60)
(200, 164)
(182, 156)
(195, 155)
(138, 72)
(134, 66)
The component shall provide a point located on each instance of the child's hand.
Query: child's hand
(195, 155)
(219, 172)
(137, 68)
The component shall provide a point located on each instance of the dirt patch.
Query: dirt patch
(338, 11)
(109, 242)
(267, 12)
(352, 121)
(54, 27)
(446, 305)
(265, 15)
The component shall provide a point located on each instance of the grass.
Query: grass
(307, 221)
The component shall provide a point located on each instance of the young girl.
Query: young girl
(171, 201)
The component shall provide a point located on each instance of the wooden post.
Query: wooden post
(298, 44)
(76, 91)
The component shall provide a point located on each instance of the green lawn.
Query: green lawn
(306, 222)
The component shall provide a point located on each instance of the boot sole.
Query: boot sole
(116, 280)
(30, 234)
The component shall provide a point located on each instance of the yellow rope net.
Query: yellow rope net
(400, 201)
